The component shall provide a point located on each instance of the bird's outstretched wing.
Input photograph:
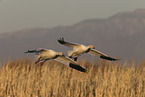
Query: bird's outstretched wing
(68, 44)
(69, 62)
(37, 51)
(65, 60)
(31, 51)
(101, 55)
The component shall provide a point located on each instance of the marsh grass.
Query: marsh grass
(22, 78)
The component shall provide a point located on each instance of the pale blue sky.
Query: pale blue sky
(20, 14)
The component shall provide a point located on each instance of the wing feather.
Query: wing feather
(69, 62)
(68, 44)
(101, 55)
(96, 53)
(38, 51)
(65, 60)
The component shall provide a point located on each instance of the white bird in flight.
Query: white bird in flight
(79, 49)
(46, 54)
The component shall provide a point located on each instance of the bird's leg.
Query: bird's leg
(36, 62)
(41, 64)
(39, 59)
(75, 58)
(70, 56)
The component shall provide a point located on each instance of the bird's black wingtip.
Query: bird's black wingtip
(61, 40)
(109, 58)
(85, 71)
(77, 67)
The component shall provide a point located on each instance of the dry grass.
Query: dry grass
(22, 78)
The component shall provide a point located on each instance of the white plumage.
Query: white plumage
(79, 49)
(46, 54)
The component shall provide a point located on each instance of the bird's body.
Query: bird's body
(46, 54)
(79, 49)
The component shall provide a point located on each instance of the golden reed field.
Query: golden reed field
(22, 78)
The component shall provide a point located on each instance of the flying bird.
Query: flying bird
(46, 54)
(79, 49)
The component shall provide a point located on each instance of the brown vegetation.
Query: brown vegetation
(22, 78)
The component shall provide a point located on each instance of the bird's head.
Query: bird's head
(91, 46)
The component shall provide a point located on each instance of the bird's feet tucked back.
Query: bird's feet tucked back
(74, 58)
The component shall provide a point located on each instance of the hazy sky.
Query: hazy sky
(21, 14)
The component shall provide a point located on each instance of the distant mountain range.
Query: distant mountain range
(122, 36)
